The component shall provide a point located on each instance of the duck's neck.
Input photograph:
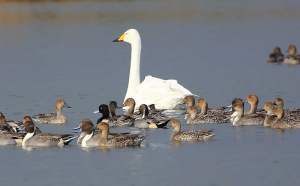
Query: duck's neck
(204, 109)
(253, 108)
(104, 137)
(130, 110)
(134, 74)
(58, 111)
(268, 120)
(176, 131)
(238, 116)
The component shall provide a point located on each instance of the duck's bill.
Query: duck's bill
(96, 111)
(76, 128)
(67, 106)
(184, 113)
(229, 109)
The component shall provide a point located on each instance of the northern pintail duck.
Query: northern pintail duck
(147, 121)
(13, 126)
(238, 117)
(118, 120)
(276, 56)
(202, 103)
(295, 112)
(271, 112)
(44, 139)
(91, 137)
(203, 117)
(53, 118)
(119, 141)
(253, 101)
(11, 138)
(189, 135)
(293, 58)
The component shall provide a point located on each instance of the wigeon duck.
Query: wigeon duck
(189, 135)
(53, 118)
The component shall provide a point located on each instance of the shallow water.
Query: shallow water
(217, 49)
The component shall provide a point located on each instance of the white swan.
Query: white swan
(165, 94)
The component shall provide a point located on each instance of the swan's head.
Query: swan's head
(130, 36)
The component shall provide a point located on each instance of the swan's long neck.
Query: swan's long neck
(134, 74)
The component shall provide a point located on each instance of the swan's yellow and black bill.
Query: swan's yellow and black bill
(120, 38)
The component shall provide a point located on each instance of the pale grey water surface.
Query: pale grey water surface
(217, 49)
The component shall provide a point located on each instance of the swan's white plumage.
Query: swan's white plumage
(165, 94)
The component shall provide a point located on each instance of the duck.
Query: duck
(119, 141)
(90, 137)
(276, 56)
(203, 117)
(44, 139)
(202, 103)
(11, 138)
(150, 121)
(287, 112)
(293, 58)
(238, 117)
(271, 112)
(189, 135)
(253, 101)
(165, 94)
(124, 120)
(13, 125)
(53, 118)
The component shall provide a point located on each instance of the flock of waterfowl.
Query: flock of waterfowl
(277, 56)
(150, 98)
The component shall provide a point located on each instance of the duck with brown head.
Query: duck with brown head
(203, 117)
(53, 118)
(147, 121)
(189, 135)
(293, 58)
(238, 118)
(119, 141)
(276, 56)
(43, 139)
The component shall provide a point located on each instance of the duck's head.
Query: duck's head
(189, 100)
(252, 99)
(192, 110)
(129, 102)
(103, 109)
(113, 105)
(268, 106)
(277, 50)
(103, 127)
(28, 125)
(239, 107)
(61, 103)
(292, 49)
(26, 118)
(130, 36)
(175, 123)
(201, 103)
(279, 102)
(86, 126)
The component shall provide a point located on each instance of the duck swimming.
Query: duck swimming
(276, 56)
(189, 135)
(165, 94)
(293, 58)
(91, 137)
(119, 141)
(44, 139)
(147, 121)
(203, 117)
(53, 118)
(238, 117)
(118, 120)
